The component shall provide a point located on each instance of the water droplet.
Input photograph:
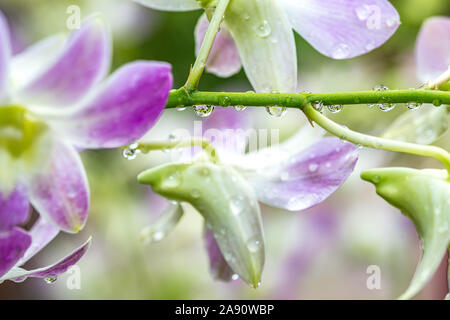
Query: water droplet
(180, 108)
(173, 181)
(157, 236)
(313, 167)
(276, 111)
(436, 102)
(386, 106)
(318, 105)
(335, 108)
(380, 87)
(253, 244)
(50, 279)
(195, 193)
(130, 152)
(203, 111)
(392, 22)
(413, 105)
(264, 29)
(240, 108)
(340, 51)
(234, 277)
(224, 101)
(237, 204)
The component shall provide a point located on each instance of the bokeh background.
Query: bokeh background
(322, 252)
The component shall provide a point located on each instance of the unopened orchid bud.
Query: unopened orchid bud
(228, 204)
(423, 196)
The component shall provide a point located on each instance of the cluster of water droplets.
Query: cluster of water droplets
(383, 106)
(319, 106)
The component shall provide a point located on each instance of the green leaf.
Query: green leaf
(423, 126)
(423, 196)
(227, 203)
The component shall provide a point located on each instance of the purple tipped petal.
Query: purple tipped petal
(219, 268)
(14, 208)
(59, 191)
(343, 29)
(306, 178)
(52, 271)
(82, 63)
(5, 54)
(224, 60)
(433, 48)
(13, 245)
(41, 234)
(124, 108)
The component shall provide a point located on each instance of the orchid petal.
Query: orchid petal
(14, 208)
(343, 29)
(307, 177)
(41, 234)
(433, 48)
(223, 60)
(170, 5)
(265, 42)
(82, 63)
(164, 225)
(13, 245)
(122, 110)
(218, 266)
(227, 203)
(19, 274)
(423, 196)
(59, 191)
(5, 55)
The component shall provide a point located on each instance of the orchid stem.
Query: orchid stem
(208, 41)
(375, 142)
(181, 97)
(205, 144)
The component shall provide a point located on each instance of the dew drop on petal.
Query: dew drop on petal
(253, 244)
(234, 277)
(264, 29)
(313, 167)
(50, 279)
(203, 111)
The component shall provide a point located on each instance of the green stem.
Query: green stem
(375, 142)
(208, 41)
(181, 97)
(146, 147)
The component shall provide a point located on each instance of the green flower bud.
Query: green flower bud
(228, 205)
(423, 196)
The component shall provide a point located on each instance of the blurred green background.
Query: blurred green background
(322, 252)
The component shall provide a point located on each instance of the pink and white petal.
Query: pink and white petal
(122, 110)
(41, 234)
(82, 63)
(218, 267)
(60, 191)
(13, 244)
(19, 275)
(266, 44)
(5, 55)
(223, 60)
(170, 5)
(433, 48)
(14, 208)
(343, 29)
(306, 178)
(31, 62)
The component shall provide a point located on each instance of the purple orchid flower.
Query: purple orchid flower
(259, 34)
(54, 101)
(295, 175)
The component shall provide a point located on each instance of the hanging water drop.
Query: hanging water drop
(203, 111)
(335, 108)
(276, 111)
(318, 105)
(386, 106)
(50, 279)
(180, 108)
(240, 108)
(130, 152)
(413, 105)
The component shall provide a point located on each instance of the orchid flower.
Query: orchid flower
(295, 175)
(261, 33)
(54, 101)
